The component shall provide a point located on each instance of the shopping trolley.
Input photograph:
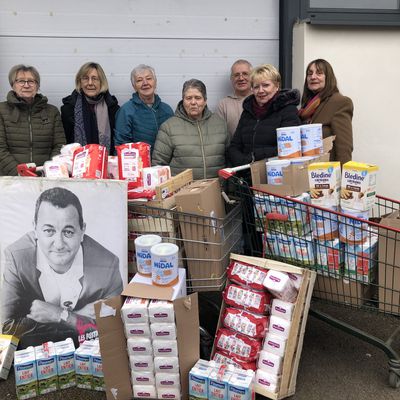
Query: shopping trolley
(205, 243)
(357, 260)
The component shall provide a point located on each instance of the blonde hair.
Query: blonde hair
(84, 70)
(266, 72)
(12, 75)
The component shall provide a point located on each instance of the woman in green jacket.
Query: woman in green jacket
(31, 130)
(193, 138)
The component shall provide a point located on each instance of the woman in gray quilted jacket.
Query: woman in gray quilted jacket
(194, 137)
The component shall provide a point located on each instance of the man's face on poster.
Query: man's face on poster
(58, 234)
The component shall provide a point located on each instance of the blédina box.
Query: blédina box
(358, 186)
(295, 177)
(113, 342)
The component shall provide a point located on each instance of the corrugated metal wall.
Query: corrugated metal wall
(181, 39)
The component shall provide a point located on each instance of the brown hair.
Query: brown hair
(330, 81)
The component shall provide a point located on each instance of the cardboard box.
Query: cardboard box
(201, 219)
(295, 177)
(341, 291)
(179, 289)
(389, 264)
(299, 319)
(113, 342)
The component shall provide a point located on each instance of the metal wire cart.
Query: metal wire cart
(205, 243)
(357, 260)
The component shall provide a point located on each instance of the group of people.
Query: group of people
(242, 130)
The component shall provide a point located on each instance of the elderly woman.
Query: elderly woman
(266, 109)
(88, 114)
(322, 103)
(30, 128)
(193, 138)
(140, 118)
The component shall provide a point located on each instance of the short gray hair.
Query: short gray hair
(141, 68)
(241, 61)
(194, 84)
(12, 75)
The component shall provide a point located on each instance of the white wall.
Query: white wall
(181, 39)
(366, 63)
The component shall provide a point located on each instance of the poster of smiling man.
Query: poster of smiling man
(63, 246)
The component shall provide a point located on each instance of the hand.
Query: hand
(87, 311)
(43, 312)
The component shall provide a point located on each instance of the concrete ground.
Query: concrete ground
(334, 365)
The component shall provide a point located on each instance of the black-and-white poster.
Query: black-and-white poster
(63, 246)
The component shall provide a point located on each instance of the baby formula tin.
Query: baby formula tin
(164, 259)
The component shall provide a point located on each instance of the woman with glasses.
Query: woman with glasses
(31, 130)
(268, 108)
(88, 114)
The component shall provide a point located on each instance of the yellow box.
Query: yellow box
(358, 186)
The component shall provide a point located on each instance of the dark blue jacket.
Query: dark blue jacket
(137, 122)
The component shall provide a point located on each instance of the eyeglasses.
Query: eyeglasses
(22, 82)
(239, 74)
(94, 79)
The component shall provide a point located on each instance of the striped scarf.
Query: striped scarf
(305, 113)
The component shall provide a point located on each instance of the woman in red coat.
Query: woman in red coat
(322, 103)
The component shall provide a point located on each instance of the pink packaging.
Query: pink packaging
(90, 162)
(132, 158)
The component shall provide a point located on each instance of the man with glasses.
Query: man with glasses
(30, 129)
(230, 107)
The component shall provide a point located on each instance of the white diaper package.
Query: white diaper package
(282, 309)
(267, 381)
(165, 348)
(270, 362)
(112, 167)
(144, 392)
(141, 363)
(166, 379)
(168, 393)
(154, 176)
(139, 346)
(163, 330)
(166, 364)
(161, 311)
(69, 149)
(55, 169)
(275, 344)
(296, 280)
(134, 310)
(280, 285)
(137, 330)
(143, 378)
(279, 326)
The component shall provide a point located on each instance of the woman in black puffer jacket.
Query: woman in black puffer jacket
(266, 109)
